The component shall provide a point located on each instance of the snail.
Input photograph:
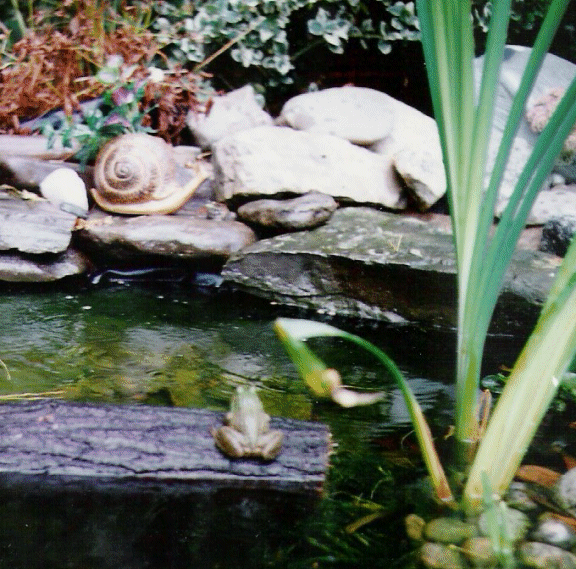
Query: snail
(137, 174)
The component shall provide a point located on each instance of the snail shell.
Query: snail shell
(137, 174)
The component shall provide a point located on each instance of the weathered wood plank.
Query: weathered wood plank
(87, 442)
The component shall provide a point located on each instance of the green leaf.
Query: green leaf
(322, 380)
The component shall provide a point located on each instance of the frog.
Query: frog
(246, 433)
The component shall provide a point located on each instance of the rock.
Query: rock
(555, 72)
(304, 212)
(414, 527)
(423, 172)
(14, 268)
(230, 113)
(163, 236)
(545, 556)
(34, 147)
(517, 524)
(557, 234)
(539, 114)
(552, 203)
(518, 497)
(24, 172)
(555, 532)
(368, 263)
(358, 114)
(412, 150)
(267, 161)
(440, 556)
(65, 189)
(479, 552)
(565, 492)
(449, 530)
(33, 226)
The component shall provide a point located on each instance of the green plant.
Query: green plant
(482, 258)
(119, 113)
(259, 33)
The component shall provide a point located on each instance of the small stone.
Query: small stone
(517, 524)
(545, 556)
(414, 527)
(557, 234)
(66, 190)
(310, 210)
(479, 552)
(555, 532)
(518, 497)
(449, 530)
(565, 492)
(439, 556)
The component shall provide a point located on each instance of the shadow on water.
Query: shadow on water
(169, 346)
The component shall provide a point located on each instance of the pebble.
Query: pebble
(545, 556)
(304, 212)
(449, 530)
(440, 556)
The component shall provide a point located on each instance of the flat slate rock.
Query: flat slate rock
(178, 237)
(33, 226)
(372, 264)
(42, 268)
(73, 441)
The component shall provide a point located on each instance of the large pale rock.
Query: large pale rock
(413, 155)
(268, 161)
(554, 73)
(164, 236)
(230, 113)
(378, 265)
(358, 114)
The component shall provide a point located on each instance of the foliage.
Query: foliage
(119, 113)
(270, 36)
(482, 257)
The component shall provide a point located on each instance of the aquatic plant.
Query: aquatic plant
(464, 121)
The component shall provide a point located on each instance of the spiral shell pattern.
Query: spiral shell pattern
(137, 174)
(134, 168)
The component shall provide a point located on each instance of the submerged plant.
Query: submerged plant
(464, 121)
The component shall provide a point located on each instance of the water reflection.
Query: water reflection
(173, 347)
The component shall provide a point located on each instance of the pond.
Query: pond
(173, 345)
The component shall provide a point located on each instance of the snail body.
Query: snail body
(137, 174)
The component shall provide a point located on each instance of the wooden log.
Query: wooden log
(53, 443)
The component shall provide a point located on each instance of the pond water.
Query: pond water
(170, 345)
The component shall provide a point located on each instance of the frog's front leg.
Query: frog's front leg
(270, 444)
(230, 441)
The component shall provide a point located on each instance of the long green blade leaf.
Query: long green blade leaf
(293, 332)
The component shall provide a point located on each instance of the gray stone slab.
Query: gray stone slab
(177, 237)
(374, 264)
(33, 226)
(42, 268)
